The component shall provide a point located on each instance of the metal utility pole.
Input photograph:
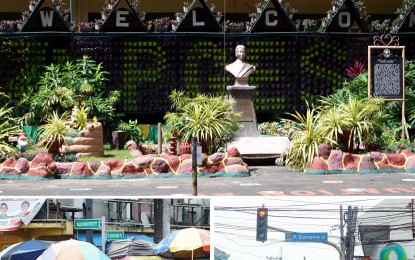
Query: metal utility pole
(351, 229)
(342, 230)
(194, 167)
(89, 215)
(166, 217)
(413, 219)
(161, 219)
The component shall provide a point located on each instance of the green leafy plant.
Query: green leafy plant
(52, 133)
(7, 128)
(133, 130)
(278, 129)
(303, 146)
(81, 118)
(61, 85)
(341, 120)
(209, 119)
(358, 120)
(409, 94)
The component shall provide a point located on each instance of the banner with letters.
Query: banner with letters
(14, 212)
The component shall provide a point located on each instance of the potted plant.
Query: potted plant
(377, 26)
(218, 16)
(362, 10)
(178, 17)
(209, 119)
(252, 16)
(134, 4)
(259, 7)
(248, 25)
(86, 26)
(309, 24)
(234, 27)
(185, 6)
(52, 133)
(336, 4)
(110, 4)
(324, 22)
(25, 15)
(174, 25)
(65, 14)
(32, 4)
(142, 15)
(161, 24)
(149, 25)
(58, 4)
(19, 24)
(98, 24)
(7, 26)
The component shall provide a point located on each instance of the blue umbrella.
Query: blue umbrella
(27, 250)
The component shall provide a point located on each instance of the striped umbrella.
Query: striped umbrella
(26, 250)
(185, 243)
(71, 250)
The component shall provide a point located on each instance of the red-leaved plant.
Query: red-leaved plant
(355, 70)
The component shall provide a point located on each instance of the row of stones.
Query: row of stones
(44, 166)
(329, 159)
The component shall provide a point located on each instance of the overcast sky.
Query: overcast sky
(235, 228)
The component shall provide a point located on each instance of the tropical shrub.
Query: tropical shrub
(347, 119)
(8, 127)
(350, 124)
(409, 94)
(52, 134)
(62, 85)
(209, 119)
(354, 71)
(81, 118)
(303, 146)
(133, 130)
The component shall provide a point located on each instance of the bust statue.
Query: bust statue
(239, 68)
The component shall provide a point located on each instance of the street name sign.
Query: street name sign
(87, 224)
(306, 237)
(115, 235)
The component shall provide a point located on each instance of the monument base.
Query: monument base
(260, 147)
(244, 104)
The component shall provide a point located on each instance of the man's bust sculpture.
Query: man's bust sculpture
(239, 68)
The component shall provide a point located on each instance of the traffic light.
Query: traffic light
(261, 224)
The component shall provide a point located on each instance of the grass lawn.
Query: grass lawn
(109, 154)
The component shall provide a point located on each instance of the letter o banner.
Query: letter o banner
(399, 250)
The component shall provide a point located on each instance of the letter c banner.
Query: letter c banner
(399, 250)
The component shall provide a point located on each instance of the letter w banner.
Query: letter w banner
(14, 212)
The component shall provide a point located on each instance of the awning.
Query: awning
(97, 237)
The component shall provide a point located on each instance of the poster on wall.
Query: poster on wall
(14, 212)
(394, 251)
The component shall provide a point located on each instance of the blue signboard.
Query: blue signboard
(306, 237)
